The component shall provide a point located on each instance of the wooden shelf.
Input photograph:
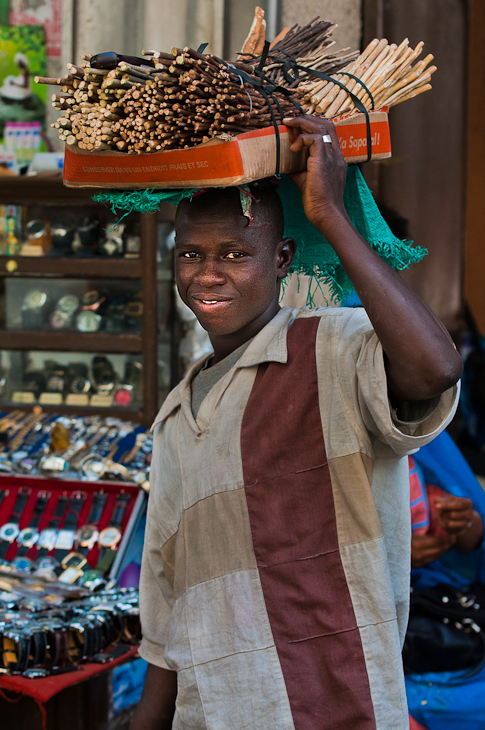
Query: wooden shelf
(50, 190)
(71, 341)
(90, 268)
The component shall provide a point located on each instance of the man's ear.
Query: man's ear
(285, 253)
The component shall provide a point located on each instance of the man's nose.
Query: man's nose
(210, 272)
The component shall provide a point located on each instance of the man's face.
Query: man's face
(228, 272)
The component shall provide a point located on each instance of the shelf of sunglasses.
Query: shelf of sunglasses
(97, 628)
(63, 532)
(90, 448)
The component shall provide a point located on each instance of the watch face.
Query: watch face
(59, 319)
(53, 463)
(68, 304)
(64, 540)
(92, 579)
(47, 540)
(35, 299)
(28, 536)
(9, 531)
(109, 537)
(47, 562)
(86, 535)
(93, 468)
(88, 321)
(23, 564)
(123, 396)
(55, 384)
(80, 385)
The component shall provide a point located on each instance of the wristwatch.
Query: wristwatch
(68, 304)
(87, 321)
(10, 530)
(65, 536)
(111, 535)
(87, 535)
(47, 538)
(29, 535)
(34, 309)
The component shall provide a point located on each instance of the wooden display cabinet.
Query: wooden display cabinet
(49, 192)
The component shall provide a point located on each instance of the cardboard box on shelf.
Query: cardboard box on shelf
(219, 163)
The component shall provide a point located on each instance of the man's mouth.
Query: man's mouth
(212, 300)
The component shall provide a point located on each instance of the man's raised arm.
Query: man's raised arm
(420, 358)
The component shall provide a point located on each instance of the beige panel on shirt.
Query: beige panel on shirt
(214, 538)
(357, 518)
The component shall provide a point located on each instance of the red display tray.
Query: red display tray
(10, 484)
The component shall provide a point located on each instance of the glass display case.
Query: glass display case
(86, 303)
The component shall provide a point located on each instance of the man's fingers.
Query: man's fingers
(312, 125)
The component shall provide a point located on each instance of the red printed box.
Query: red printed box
(219, 163)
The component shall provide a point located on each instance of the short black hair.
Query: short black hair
(266, 203)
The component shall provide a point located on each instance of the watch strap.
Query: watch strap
(75, 506)
(42, 500)
(55, 521)
(119, 510)
(97, 506)
(20, 502)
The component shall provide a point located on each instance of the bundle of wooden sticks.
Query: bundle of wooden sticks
(388, 75)
(181, 99)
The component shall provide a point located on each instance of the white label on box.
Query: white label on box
(51, 399)
(77, 399)
(101, 401)
(22, 396)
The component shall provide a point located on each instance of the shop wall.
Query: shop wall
(424, 181)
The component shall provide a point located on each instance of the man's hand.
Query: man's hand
(426, 548)
(322, 183)
(420, 358)
(458, 519)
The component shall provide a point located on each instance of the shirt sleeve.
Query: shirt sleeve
(156, 590)
(360, 342)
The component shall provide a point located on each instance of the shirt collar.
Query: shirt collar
(269, 345)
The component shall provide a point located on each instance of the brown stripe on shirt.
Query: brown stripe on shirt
(293, 526)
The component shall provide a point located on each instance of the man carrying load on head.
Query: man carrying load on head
(275, 577)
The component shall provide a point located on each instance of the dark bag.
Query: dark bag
(445, 630)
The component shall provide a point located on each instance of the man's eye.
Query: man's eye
(235, 255)
(188, 254)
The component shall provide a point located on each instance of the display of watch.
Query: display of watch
(110, 537)
(29, 535)
(68, 304)
(10, 530)
(60, 320)
(47, 538)
(65, 535)
(87, 535)
(87, 321)
(93, 300)
(34, 308)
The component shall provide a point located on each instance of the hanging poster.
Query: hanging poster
(40, 12)
(22, 57)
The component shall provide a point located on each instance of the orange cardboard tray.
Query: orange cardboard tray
(218, 163)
